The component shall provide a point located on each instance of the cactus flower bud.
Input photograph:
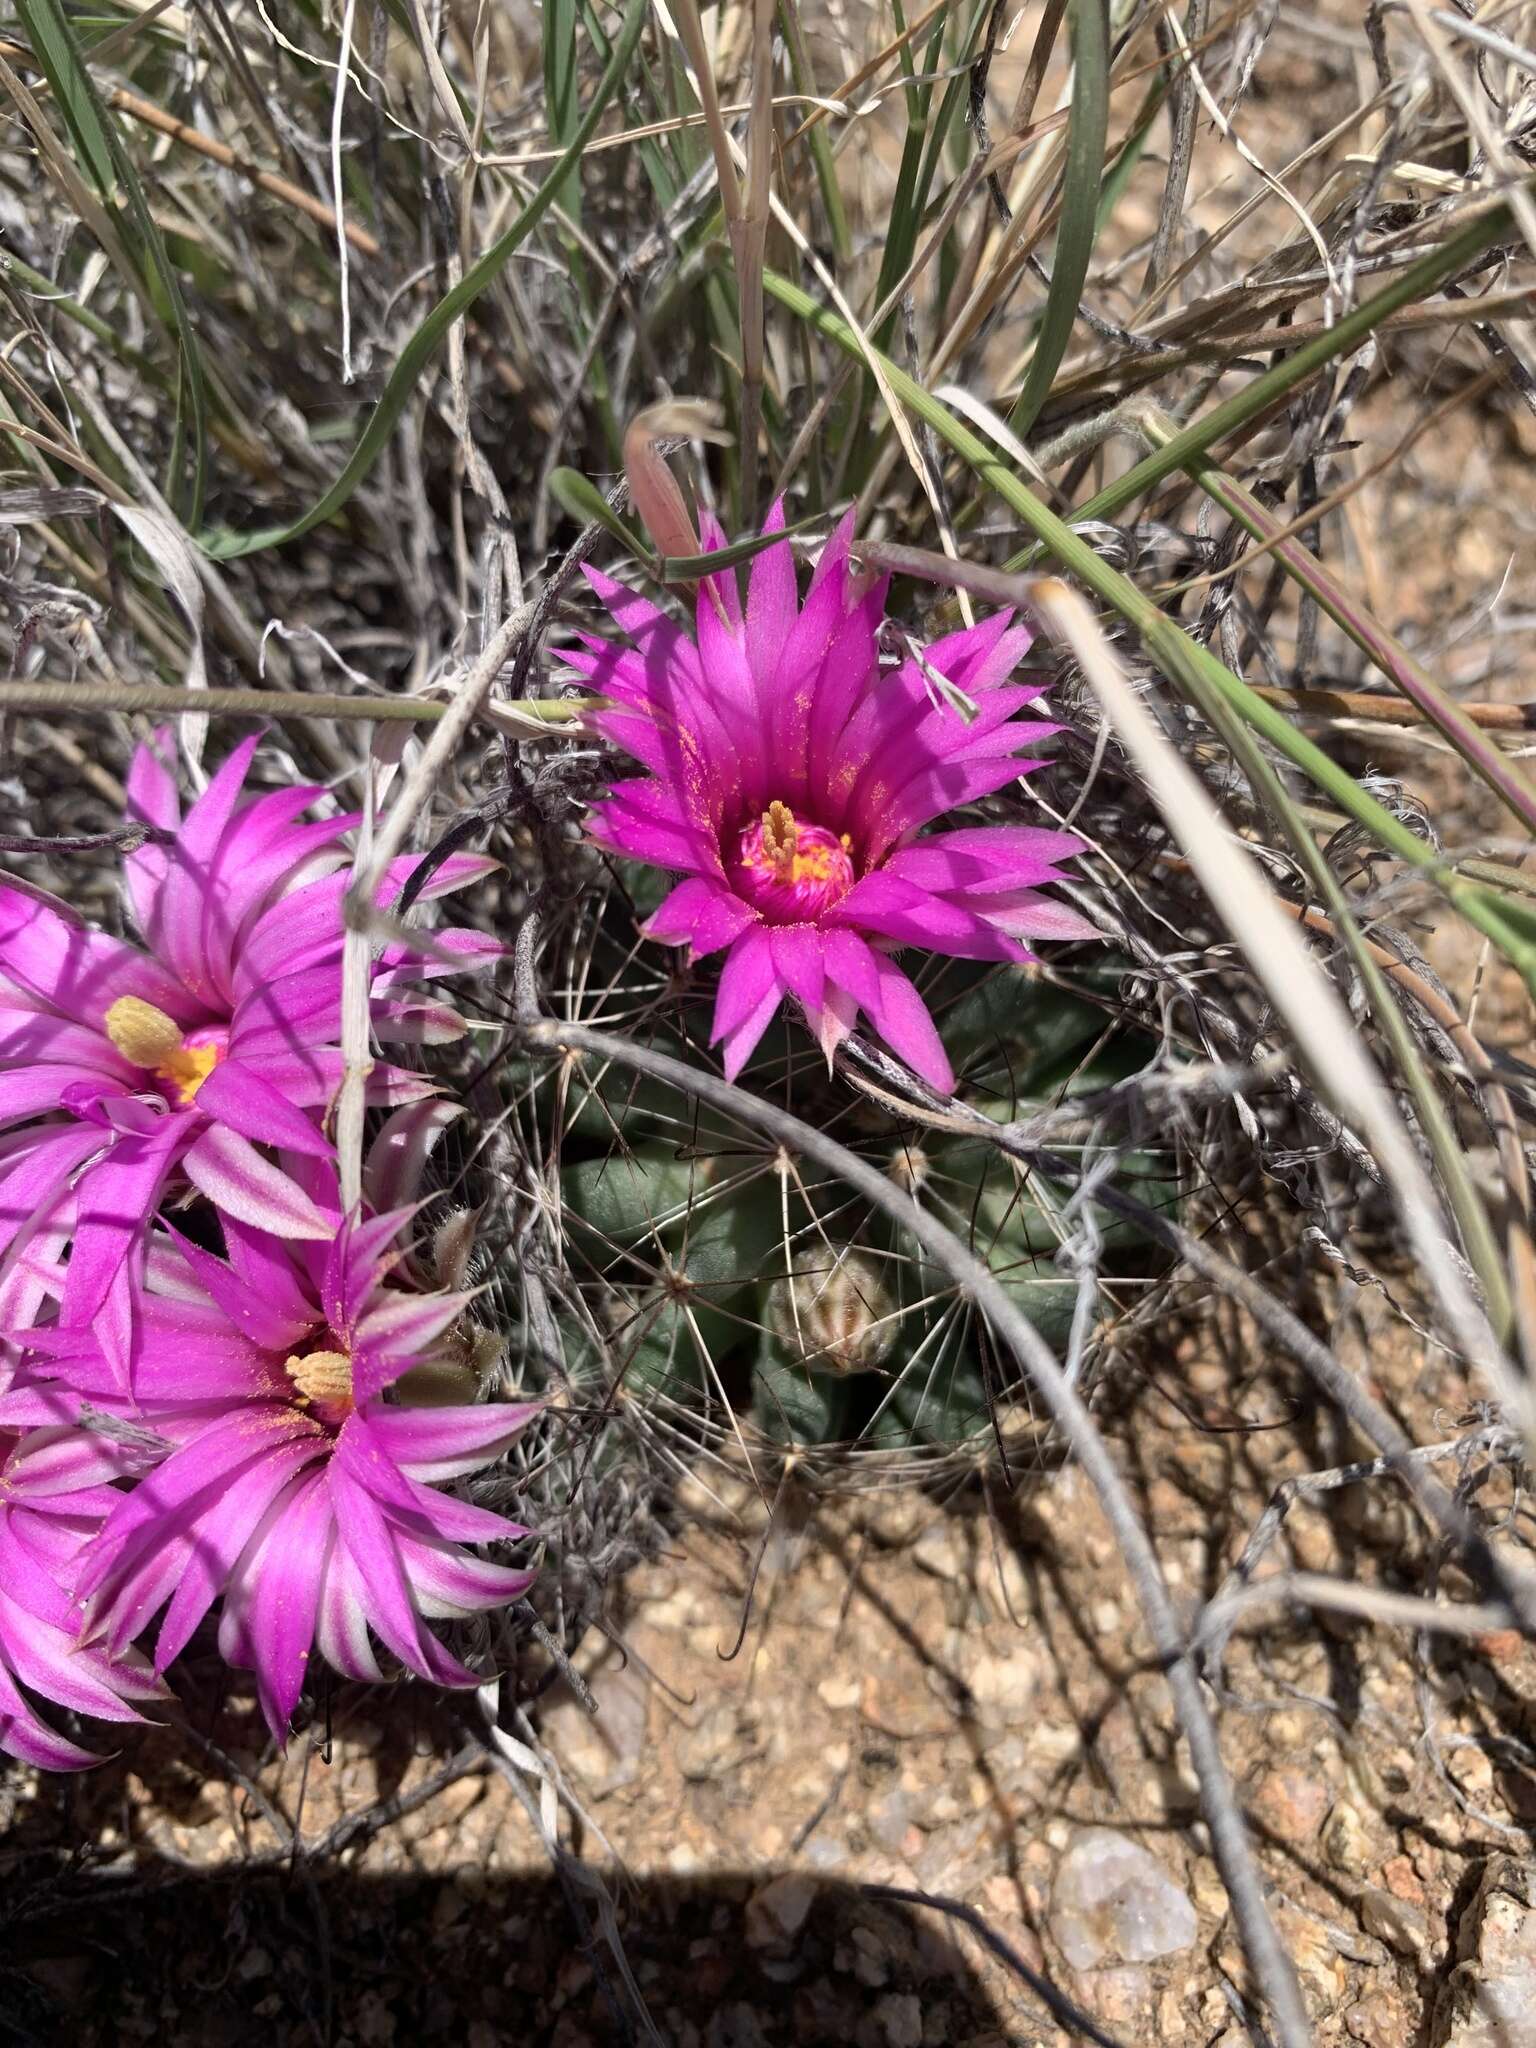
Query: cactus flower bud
(836, 1317)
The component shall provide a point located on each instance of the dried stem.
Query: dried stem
(1229, 1836)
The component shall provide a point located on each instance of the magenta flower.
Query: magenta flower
(54, 1493)
(288, 1483)
(790, 776)
(216, 1038)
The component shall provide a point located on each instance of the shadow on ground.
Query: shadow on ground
(286, 1959)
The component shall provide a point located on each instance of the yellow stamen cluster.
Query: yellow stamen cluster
(144, 1034)
(324, 1376)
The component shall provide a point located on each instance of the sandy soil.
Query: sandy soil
(936, 1696)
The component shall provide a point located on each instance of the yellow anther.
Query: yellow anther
(141, 1032)
(147, 1036)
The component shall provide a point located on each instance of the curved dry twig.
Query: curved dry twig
(1229, 1836)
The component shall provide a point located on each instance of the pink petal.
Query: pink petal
(747, 979)
(945, 788)
(80, 973)
(26, 1737)
(915, 917)
(434, 1444)
(221, 1536)
(723, 659)
(721, 587)
(851, 667)
(152, 800)
(273, 1598)
(797, 961)
(177, 922)
(701, 914)
(993, 856)
(29, 1091)
(834, 556)
(152, 794)
(395, 1334)
(341, 1626)
(398, 1156)
(796, 701)
(741, 1040)
(1029, 915)
(233, 1175)
(235, 1095)
(411, 1507)
(447, 1581)
(772, 603)
(114, 1204)
(831, 1024)
(369, 1542)
(417, 1024)
(34, 1034)
(893, 1005)
(442, 950)
(616, 826)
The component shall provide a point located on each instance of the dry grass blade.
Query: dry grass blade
(1302, 994)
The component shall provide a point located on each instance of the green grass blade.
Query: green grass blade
(1478, 749)
(1466, 1203)
(580, 497)
(1129, 156)
(906, 201)
(100, 149)
(64, 68)
(820, 141)
(1511, 925)
(561, 100)
(427, 339)
(1416, 281)
(1087, 130)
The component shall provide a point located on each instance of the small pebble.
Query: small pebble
(1346, 1843)
(1112, 1900)
(777, 1911)
(1401, 1926)
(1290, 1804)
(899, 2016)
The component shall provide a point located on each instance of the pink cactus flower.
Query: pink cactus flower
(790, 778)
(288, 1482)
(55, 1491)
(217, 1037)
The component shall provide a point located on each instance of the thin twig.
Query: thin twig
(159, 700)
(1061, 2008)
(1229, 1839)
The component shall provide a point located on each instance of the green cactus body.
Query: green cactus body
(685, 1240)
(818, 1320)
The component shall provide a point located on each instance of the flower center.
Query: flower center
(789, 870)
(323, 1377)
(147, 1036)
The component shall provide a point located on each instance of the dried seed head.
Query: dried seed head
(837, 1317)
